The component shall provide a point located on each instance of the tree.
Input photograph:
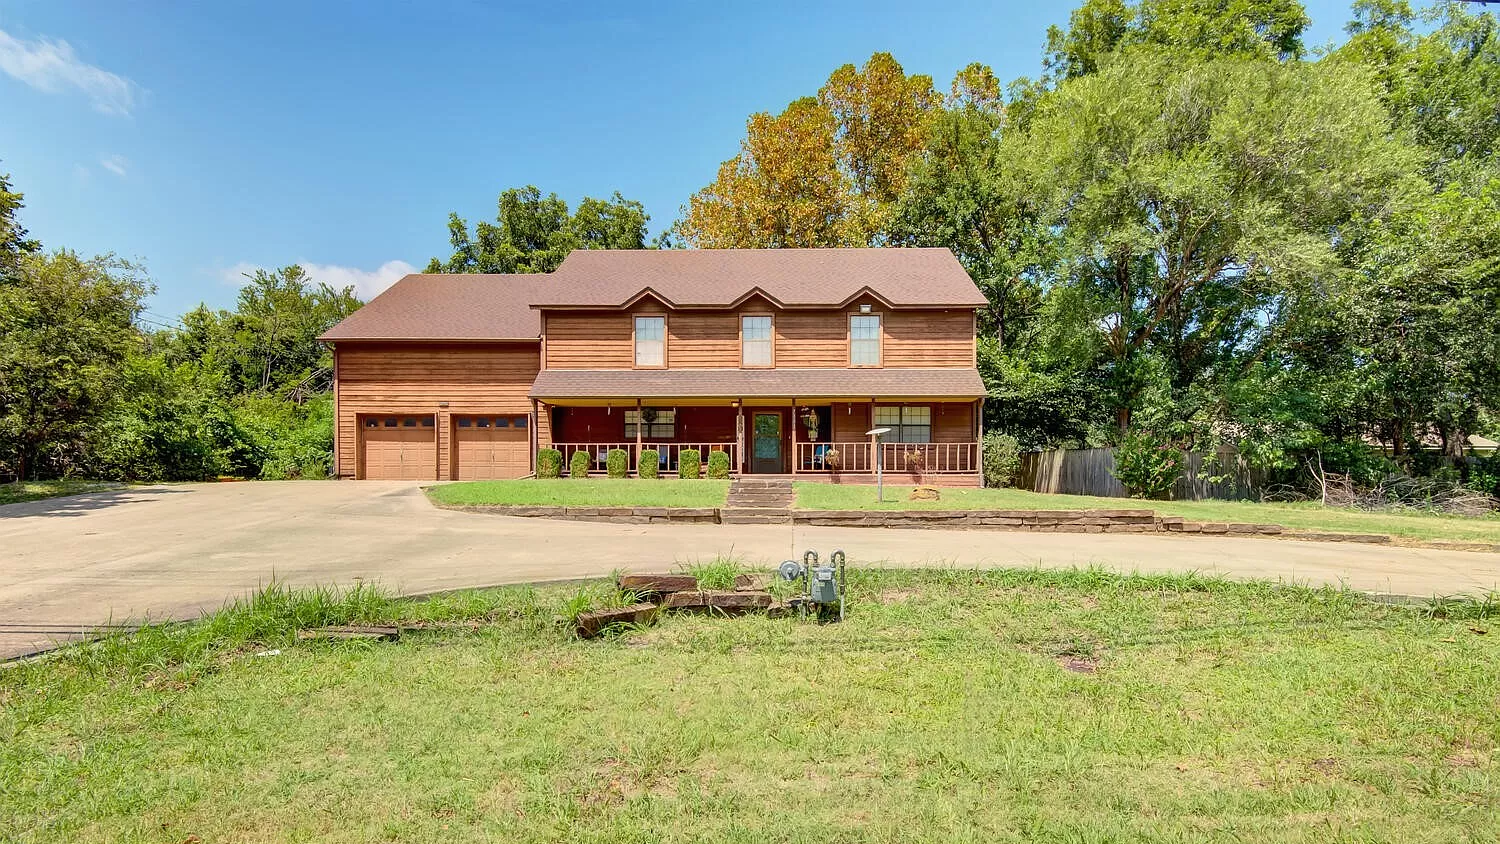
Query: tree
(1443, 87)
(1424, 318)
(66, 327)
(967, 192)
(14, 244)
(533, 233)
(269, 343)
(783, 190)
(1099, 30)
(826, 171)
(1198, 199)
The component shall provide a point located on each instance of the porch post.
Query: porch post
(795, 422)
(979, 439)
(639, 425)
(739, 435)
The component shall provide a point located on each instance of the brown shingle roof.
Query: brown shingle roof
(916, 278)
(449, 307)
(500, 307)
(734, 383)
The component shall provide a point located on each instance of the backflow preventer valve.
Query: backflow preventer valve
(823, 586)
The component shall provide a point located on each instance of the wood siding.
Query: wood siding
(703, 340)
(929, 339)
(589, 341)
(802, 339)
(473, 378)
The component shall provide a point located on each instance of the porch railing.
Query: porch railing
(669, 455)
(859, 457)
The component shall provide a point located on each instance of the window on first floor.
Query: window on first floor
(658, 424)
(908, 423)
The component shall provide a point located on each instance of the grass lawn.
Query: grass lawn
(1300, 515)
(14, 493)
(586, 492)
(951, 706)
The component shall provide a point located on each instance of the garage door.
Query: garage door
(399, 448)
(491, 447)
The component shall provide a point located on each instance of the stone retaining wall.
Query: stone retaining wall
(1050, 521)
(624, 515)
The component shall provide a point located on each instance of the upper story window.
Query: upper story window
(908, 424)
(755, 341)
(864, 340)
(650, 341)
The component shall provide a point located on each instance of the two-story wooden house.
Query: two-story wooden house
(781, 358)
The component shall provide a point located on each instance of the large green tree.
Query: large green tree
(532, 233)
(1099, 30)
(67, 324)
(1199, 199)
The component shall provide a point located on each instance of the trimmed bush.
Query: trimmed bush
(718, 465)
(1147, 465)
(549, 463)
(1002, 459)
(650, 463)
(689, 464)
(617, 463)
(578, 465)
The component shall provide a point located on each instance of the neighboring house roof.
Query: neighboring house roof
(449, 307)
(719, 278)
(734, 383)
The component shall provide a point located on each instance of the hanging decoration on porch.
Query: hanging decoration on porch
(810, 422)
(648, 415)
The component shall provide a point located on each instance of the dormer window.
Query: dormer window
(864, 340)
(650, 341)
(755, 341)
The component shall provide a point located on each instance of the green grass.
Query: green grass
(19, 491)
(1300, 515)
(585, 492)
(951, 706)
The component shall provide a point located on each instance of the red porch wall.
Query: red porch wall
(607, 425)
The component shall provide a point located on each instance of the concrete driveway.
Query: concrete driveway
(173, 551)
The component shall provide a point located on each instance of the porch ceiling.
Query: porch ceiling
(948, 384)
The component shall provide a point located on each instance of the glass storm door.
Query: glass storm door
(766, 447)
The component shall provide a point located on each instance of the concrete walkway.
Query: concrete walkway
(177, 550)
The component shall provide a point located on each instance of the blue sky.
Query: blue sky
(204, 139)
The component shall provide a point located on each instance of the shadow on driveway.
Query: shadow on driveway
(77, 505)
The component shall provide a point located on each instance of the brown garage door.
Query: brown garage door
(399, 448)
(491, 447)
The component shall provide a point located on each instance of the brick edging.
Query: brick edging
(1042, 521)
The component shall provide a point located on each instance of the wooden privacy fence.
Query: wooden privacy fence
(1090, 471)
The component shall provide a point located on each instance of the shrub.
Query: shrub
(1146, 465)
(718, 465)
(617, 463)
(689, 464)
(549, 463)
(1002, 459)
(650, 463)
(578, 464)
(832, 459)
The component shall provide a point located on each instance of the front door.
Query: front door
(765, 444)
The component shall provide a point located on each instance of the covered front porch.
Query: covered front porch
(817, 439)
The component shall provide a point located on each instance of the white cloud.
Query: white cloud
(115, 164)
(52, 67)
(366, 283)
